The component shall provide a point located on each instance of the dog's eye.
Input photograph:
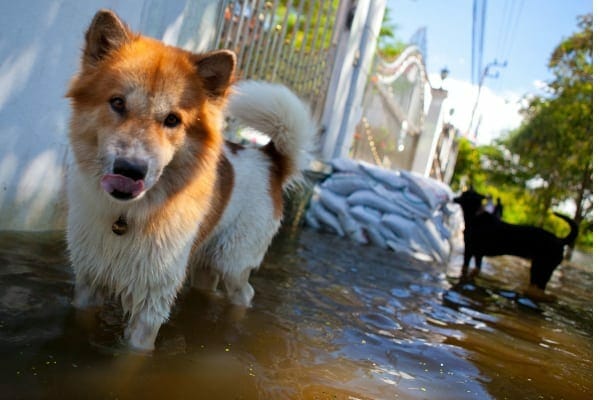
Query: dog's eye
(171, 121)
(117, 104)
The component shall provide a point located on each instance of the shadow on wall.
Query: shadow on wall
(40, 46)
(189, 24)
(33, 111)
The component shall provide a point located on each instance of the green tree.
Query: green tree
(388, 46)
(554, 144)
(316, 23)
(467, 171)
(494, 171)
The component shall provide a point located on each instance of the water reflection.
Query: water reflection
(330, 320)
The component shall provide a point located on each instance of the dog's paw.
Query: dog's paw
(474, 273)
(537, 294)
(140, 336)
(468, 276)
(242, 296)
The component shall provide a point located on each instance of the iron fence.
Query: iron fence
(292, 42)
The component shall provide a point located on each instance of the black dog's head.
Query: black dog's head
(470, 202)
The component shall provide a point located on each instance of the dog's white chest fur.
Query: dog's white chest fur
(132, 266)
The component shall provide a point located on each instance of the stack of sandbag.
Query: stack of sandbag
(403, 211)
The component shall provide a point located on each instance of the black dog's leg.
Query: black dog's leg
(464, 275)
(478, 262)
(540, 274)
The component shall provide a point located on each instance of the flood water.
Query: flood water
(331, 320)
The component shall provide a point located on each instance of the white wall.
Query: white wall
(40, 45)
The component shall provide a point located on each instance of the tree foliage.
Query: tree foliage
(310, 24)
(548, 159)
(554, 144)
(388, 46)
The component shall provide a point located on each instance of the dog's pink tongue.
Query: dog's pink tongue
(123, 184)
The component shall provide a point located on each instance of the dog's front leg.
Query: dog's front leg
(238, 289)
(147, 314)
(141, 332)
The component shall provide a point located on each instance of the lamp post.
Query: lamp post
(443, 75)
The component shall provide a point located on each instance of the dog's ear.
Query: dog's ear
(216, 70)
(105, 34)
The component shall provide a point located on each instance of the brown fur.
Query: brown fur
(280, 171)
(221, 194)
(148, 65)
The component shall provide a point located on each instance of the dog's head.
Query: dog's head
(470, 202)
(141, 107)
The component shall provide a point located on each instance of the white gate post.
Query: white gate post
(349, 79)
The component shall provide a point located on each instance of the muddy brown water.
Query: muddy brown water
(331, 320)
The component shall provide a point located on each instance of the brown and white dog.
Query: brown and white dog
(155, 193)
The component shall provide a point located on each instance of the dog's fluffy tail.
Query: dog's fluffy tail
(274, 110)
(570, 238)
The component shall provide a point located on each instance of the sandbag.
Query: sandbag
(366, 215)
(402, 227)
(414, 201)
(352, 228)
(345, 184)
(375, 237)
(438, 220)
(429, 190)
(410, 209)
(404, 212)
(311, 219)
(392, 179)
(373, 200)
(387, 233)
(333, 202)
(326, 219)
(410, 231)
(411, 249)
(436, 243)
(400, 246)
(337, 205)
(345, 165)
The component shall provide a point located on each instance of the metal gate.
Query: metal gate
(291, 42)
(394, 111)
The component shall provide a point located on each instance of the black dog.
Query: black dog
(486, 235)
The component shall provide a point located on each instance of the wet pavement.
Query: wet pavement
(331, 320)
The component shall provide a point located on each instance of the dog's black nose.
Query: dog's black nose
(131, 168)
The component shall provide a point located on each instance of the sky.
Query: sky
(521, 32)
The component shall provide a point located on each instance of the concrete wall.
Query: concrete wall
(40, 45)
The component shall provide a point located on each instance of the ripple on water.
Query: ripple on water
(328, 321)
(400, 293)
(380, 323)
